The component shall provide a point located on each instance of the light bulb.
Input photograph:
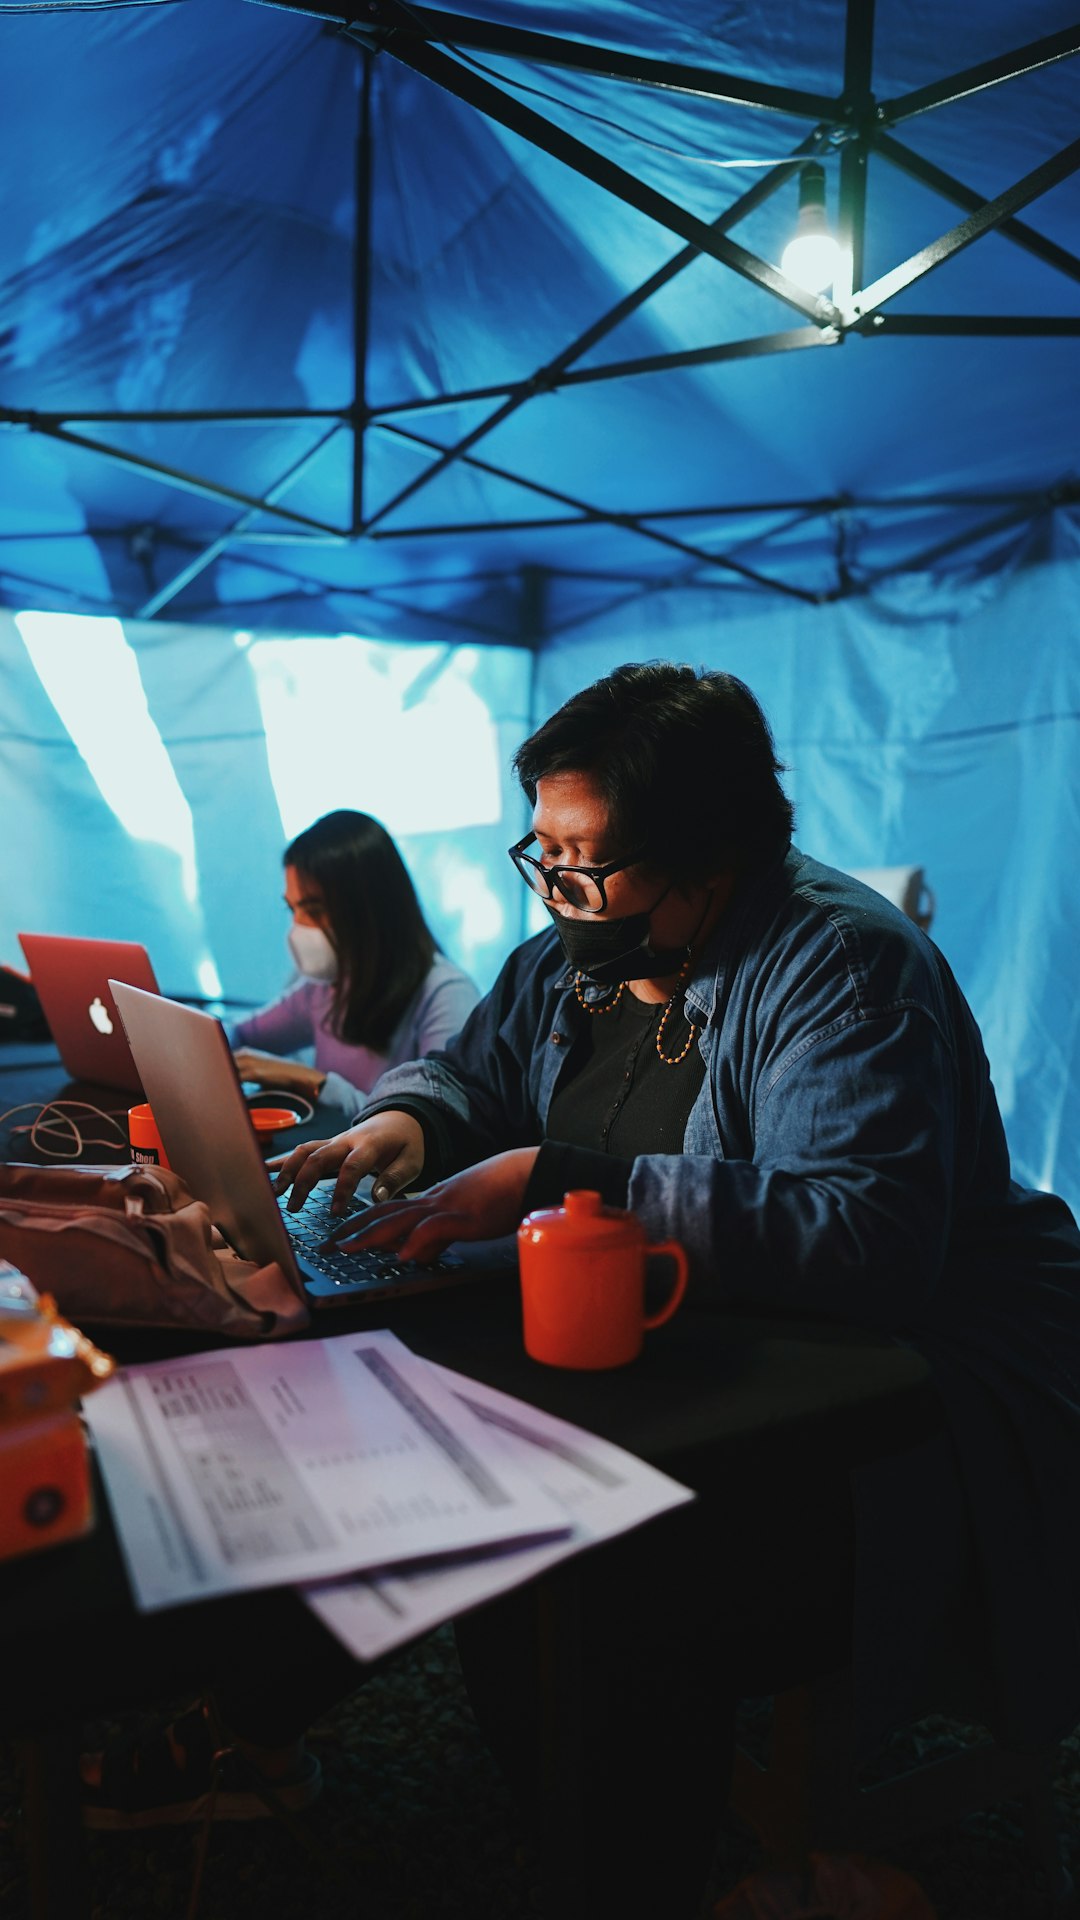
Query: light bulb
(811, 260)
(812, 256)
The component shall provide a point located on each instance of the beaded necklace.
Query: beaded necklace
(672, 1059)
(597, 1006)
(609, 1006)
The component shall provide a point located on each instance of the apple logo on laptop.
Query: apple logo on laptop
(99, 1014)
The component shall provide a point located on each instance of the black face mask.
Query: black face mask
(609, 951)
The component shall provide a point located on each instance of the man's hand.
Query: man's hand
(483, 1203)
(389, 1145)
(269, 1070)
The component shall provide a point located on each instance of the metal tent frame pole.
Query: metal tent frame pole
(439, 45)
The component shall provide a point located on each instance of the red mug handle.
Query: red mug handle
(682, 1271)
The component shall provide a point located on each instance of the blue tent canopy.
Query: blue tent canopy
(302, 321)
(465, 335)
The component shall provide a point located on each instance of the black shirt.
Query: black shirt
(617, 1098)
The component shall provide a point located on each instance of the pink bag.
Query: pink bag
(127, 1246)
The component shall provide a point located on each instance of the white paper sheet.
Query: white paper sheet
(275, 1465)
(600, 1490)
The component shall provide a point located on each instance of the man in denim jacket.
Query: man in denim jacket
(795, 1088)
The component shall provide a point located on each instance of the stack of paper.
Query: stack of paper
(351, 1456)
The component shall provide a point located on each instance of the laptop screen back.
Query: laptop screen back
(72, 980)
(191, 1083)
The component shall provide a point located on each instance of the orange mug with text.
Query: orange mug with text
(583, 1283)
(146, 1147)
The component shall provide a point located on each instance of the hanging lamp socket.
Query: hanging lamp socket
(812, 255)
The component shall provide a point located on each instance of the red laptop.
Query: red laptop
(72, 980)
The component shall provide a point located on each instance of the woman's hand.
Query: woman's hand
(483, 1203)
(269, 1070)
(390, 1145)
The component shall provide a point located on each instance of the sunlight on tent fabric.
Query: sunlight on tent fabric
(537, 917)
(209, 980)
(397, 731)
(465, 889)
(92, 678)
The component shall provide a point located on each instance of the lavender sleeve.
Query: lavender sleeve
(438, 1012)
(283, 1027)
(445, 1003)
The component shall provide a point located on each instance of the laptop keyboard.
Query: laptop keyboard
(308, 1229)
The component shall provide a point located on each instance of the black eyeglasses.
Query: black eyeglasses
(581, 887)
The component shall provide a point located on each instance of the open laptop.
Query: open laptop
(192, 1085)
(72, 978)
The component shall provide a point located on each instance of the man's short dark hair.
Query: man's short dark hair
(685, 761)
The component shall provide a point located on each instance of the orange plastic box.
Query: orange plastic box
(46, 1365)
(44, 1484)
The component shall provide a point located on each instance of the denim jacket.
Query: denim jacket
(845, 1153)
(846, 1156)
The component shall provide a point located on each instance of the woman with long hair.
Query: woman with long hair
(375, 989)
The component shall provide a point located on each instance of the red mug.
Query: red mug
(583, 1284)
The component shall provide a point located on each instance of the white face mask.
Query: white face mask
(313, 953)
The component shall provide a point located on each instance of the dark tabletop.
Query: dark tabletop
(714, 1393)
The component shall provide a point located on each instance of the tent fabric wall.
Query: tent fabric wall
(151, 775)
(933, 723)
(938, 724)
